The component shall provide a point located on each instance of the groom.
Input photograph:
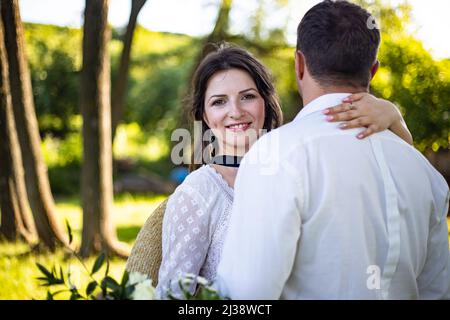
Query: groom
(339, 218)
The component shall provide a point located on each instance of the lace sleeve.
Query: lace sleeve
(186, 239)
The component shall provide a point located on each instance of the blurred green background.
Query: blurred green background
(161, 66)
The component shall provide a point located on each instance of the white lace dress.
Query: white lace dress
(194, 226)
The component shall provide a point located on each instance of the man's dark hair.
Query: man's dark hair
(339, 43)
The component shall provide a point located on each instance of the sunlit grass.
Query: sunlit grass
(18, 271)
(129, 211)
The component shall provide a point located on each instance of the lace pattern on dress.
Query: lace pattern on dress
(194, 226)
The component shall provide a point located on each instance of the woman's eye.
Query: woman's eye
(249, 96)
(218, 102)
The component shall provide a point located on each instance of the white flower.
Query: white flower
(143, 288)
(143, 291)
(202, 281)
(136, 277)
(188, 278)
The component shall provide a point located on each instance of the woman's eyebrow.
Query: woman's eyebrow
(224, 95)
(217, 96)
(249, 89)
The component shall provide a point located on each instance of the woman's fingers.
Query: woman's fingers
(343, 107)
(355, 123)
(343, 116)
(364, 134)
(369, 131)
(335, 109)
(355, 97)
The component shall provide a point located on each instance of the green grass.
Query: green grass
(18, 271)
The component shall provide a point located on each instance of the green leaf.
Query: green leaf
(91, 287)
(98, 263)
(44, 270)
(75, 295)
(109, 282)
(58, 292)
(49, 296)
(61, 274)
(126, 294)
(171, 295)
(187, 295)
(104, 289)
(107, 267)
(125, 278)
(69, 231)
(54, 274)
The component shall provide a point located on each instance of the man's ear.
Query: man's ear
(374, 69)
(299, 64)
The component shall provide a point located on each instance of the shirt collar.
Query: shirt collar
(321, 103)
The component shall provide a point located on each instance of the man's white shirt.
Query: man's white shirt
(319, 214)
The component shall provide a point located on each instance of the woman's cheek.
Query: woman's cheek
(260, 115)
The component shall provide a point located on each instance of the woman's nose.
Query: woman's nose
(235, 111)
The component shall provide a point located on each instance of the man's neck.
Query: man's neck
(310, 94)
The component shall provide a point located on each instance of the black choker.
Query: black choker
(227, 161)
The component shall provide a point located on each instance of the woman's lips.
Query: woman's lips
(239, 127)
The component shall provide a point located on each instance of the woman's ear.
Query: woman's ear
(374, 69)
(205, 119)
(299, 64)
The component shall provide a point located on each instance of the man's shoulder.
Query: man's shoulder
(274, 151)
(275, 142)
(290, 136)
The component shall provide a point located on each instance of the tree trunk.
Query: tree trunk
(96, 181)
(15, 213)
(120, 86)
(37, 185)
(222, 26)
(218, 34)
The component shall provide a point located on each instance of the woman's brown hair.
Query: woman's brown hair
(227, 57)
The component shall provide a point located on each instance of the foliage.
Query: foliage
(133, 286)
(161, 64)
(55, 57)
(59, 152)
(417, 86)
(63, 156)
(204, 291)
(159, 70)
(410, 77)
(63, 159)
(65, 179)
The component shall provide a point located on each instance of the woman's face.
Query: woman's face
(234, 110)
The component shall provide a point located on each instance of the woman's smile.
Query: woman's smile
(239, 127)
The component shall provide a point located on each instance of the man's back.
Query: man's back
(365, 199)
(370, 214)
